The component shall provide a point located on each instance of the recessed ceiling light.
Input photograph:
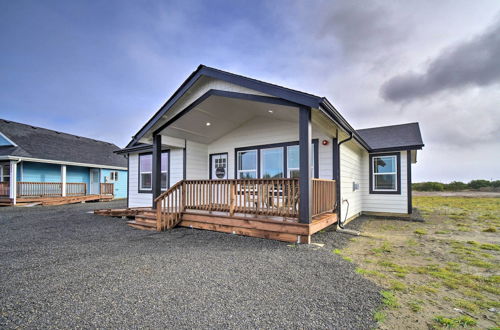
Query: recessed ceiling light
(270, 111)
(208, 124)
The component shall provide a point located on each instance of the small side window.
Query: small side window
(384, 173)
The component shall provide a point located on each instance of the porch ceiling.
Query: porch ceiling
(224, 115)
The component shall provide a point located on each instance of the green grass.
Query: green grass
(379, 316)
(386, 247)
(347, 259)
(367, 272)
(388, 299)
(492, 247)
(455, 322)
(442, 232)
(420, 232)
(398, 286)
(415, 305)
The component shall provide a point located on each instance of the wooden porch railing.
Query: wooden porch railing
(271, 197)
(5, 189)
(323, 196)
(76, 189)
(39, 189)
(107, 189)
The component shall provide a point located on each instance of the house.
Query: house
(39, 165)
(238, 155)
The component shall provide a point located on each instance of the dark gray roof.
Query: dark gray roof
(42, 143)
(404, 136)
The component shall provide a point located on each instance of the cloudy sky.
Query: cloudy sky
(102, 68)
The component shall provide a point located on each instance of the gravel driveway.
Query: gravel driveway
(61, 267)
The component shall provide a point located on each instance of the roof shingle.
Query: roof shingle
(42, 143)
(402, 136)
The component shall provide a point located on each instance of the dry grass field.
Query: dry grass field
(441, 273)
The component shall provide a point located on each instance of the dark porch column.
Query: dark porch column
(305, 184)
(156, 167)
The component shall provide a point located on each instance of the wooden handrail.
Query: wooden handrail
(271, 197)
(324, 196)
(76, 189)
(169, 207)
(107, 189)
(39, 189)
(4, 188)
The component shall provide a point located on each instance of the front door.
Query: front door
(94, 181)
(218, 166)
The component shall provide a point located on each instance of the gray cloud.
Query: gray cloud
(361, 28)
(472, 63)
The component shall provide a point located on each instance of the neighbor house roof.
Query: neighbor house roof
(404, 136)
(41, 143)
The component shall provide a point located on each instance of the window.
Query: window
(164, 170)
(146, 171)
(247, 164)
(5, 173)
(293, 160)
(271, 163)
(113, 176)
(385, 173)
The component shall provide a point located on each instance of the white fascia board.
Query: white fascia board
(8, 140)
(49, 161)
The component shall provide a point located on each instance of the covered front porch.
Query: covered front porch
(239, 163)
(14, 190)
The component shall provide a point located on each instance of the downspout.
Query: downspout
(339, 205)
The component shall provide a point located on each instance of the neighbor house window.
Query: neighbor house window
(385, 173)
(5, 173)
(247, 164)
(113, 176)
(146, 171)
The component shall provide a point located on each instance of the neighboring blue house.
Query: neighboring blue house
(37, 162)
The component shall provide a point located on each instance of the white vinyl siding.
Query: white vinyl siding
(196, 161)
(261, 131)
(136, 199)
(176, 165)
(385, 203)
(351, 170)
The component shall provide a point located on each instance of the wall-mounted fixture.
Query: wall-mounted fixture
(208, 124)
(324, 142)
(355, 186)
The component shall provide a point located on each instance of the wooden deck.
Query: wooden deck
(261, 226)
(56, 200)
(265, 208)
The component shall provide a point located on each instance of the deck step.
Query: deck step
(146, 216)
(141, 225)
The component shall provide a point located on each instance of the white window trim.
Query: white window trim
(374, 182)
(141, 187)
(140, 179)
(238, 162)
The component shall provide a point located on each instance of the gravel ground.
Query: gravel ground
(61, 267)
